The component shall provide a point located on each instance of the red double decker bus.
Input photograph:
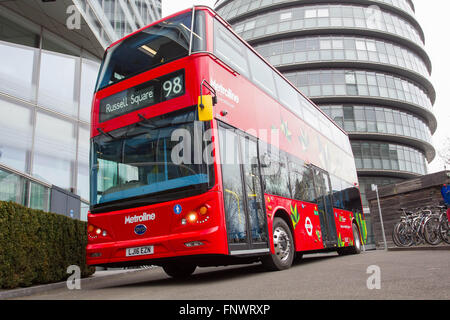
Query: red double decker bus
(203, 154)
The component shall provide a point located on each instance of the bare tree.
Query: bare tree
(444, 153)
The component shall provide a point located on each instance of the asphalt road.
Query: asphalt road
(403, 275)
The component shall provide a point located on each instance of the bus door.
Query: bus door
(325, 205)
(245, 214)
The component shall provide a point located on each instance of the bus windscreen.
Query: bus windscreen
(137, 160)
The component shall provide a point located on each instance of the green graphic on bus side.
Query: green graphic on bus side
(340, 242)
(362, 227)
(295, 216)
(285, 129)
(304, 139)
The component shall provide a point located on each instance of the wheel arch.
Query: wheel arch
(283, 214)
(357, 226)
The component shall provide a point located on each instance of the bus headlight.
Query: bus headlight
(192, 217)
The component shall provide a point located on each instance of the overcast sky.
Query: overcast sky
(434, 19)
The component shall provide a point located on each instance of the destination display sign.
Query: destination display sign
(144, 95)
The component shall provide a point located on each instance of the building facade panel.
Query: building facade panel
(289, 20)
(304, 50)
(232, 9)
(111, 20)
(378, 119)
(342, 82)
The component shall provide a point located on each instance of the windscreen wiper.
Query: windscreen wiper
(148, 122)
(106, 134)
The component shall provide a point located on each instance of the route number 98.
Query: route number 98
(173, 87)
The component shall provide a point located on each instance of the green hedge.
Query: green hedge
(36, 247)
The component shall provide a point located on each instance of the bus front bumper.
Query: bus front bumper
(200, 242)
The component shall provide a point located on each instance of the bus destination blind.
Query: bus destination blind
(144, 95)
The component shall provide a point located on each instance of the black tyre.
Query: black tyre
(298, 257)
(179, 271)
(357, 244)
(431, 231)
(284, 247)
(343, 251)
(395, 236)
(444, 230)
(403, 235)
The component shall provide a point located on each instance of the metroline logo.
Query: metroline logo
(225, 91)
(143, 217)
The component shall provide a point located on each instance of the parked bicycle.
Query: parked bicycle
(420, 226)
(424, 225)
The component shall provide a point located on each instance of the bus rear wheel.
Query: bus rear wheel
(179, 271)
(356, 248)
(284, 247)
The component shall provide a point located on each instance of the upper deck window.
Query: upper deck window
(228, 48)
(167, 41)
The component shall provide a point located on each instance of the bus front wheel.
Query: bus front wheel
(284, 247)
(179, 271)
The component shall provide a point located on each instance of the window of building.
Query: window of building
(54, 150)
(16, 133)
(17, 30)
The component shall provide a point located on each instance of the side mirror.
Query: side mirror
(206, 102)
(205, 108)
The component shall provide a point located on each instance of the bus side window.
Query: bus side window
(284, 186)
(338, 199)
(301, 181)
(275, 173)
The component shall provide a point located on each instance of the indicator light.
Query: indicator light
(90, 228)
(203, 210)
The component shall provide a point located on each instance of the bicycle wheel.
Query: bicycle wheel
(444, 230)
(403, 233)
(431, 231)
(417, 237)
(395, 235)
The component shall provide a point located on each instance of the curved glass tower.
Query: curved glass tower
(363, 62)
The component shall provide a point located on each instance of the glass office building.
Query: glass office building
(110, 20)
(47, 78)
(364, 63)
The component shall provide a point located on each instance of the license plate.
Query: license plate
(139, 251)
